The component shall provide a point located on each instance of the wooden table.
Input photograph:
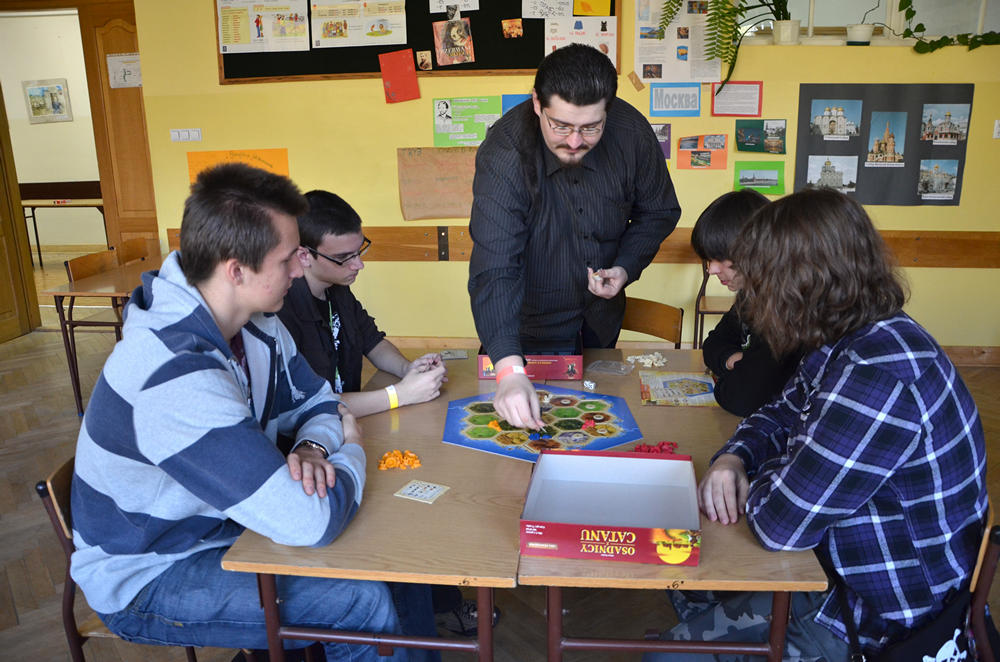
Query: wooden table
(115, 285)
(731, 558)
(29, 206)
(468, 537)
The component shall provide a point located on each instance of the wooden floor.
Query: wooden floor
(38, 428)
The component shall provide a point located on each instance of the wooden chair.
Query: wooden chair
(707, 305)
(132, 250)
(982, 581)
(55, 494)
(174, 239)
(91, 265)
(654, 318)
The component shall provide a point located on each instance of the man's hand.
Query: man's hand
(422, 381)
(310, 466)
(606, 283)
(733, 359)
(517, 403)
(722, 493)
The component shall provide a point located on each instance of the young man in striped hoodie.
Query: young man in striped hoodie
(177, 455)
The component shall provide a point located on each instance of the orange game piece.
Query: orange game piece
(397, 459)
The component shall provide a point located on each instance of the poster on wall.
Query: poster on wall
(47, 100)
(251, 26)
(675, 53)
(766, 177)
(885, 144)
(124, 70)
(463, 121)
(336, 24)
(601, 32)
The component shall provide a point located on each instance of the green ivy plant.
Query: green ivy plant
(727, 23)
(924, 45)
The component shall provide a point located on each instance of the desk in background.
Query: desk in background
(117, 284)
(35, 195)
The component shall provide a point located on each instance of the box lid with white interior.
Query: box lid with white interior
(612, 506)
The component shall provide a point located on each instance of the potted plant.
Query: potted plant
(860, 34)
(924, 45)
(730, 20)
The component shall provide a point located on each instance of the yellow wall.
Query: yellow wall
(342, 136)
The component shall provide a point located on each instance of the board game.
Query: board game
(574, 420)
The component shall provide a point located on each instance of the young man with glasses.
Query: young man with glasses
(332, 329)
(571, 200)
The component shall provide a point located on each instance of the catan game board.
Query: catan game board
(574, 420)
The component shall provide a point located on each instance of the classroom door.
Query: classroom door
(18, 301)
(119, 123)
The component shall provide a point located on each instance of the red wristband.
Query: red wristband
(510, 370)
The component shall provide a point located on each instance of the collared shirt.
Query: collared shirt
(528, 269)
(874, 456)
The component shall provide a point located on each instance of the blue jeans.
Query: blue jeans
(197, 603)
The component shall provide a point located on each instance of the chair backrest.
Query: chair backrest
(174, 239)
(133, 249)
(55, 493)
(654, 318)
(90, 264)
(982, 582)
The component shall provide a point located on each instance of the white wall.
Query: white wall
(38, 46)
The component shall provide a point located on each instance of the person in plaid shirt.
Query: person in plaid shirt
(873, 455)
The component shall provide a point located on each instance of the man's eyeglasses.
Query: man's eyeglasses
(566, 130)
(344, 259)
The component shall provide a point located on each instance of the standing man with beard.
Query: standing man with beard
(571, 201)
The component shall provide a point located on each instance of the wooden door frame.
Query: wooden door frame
(86, 9)
(29, 317)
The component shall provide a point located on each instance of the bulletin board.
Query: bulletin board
(885, 144)
(494, 53)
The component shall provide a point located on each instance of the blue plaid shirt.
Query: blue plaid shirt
(873, 455)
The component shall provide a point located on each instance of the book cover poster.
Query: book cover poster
(399, 76)
(453, 42)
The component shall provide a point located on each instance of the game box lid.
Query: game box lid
(612, 506)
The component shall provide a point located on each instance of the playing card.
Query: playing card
(422, 491)
(454, 354)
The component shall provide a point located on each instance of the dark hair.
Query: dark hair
(328, 213)
(579, 74)
(228, 215)
(814, 270)
(718, 226)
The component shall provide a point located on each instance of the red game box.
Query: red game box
(541, 366)
(612, 506)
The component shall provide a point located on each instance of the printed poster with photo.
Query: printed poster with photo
(676, 53)
(463, 121)
(760, 136)
(453, 42)
(767, 177)
(707, 152)
(885, 144)
(662, 132)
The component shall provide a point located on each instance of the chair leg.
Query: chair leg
(189, 651)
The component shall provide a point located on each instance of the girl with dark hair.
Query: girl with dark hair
(747, 374)
(873, 455)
